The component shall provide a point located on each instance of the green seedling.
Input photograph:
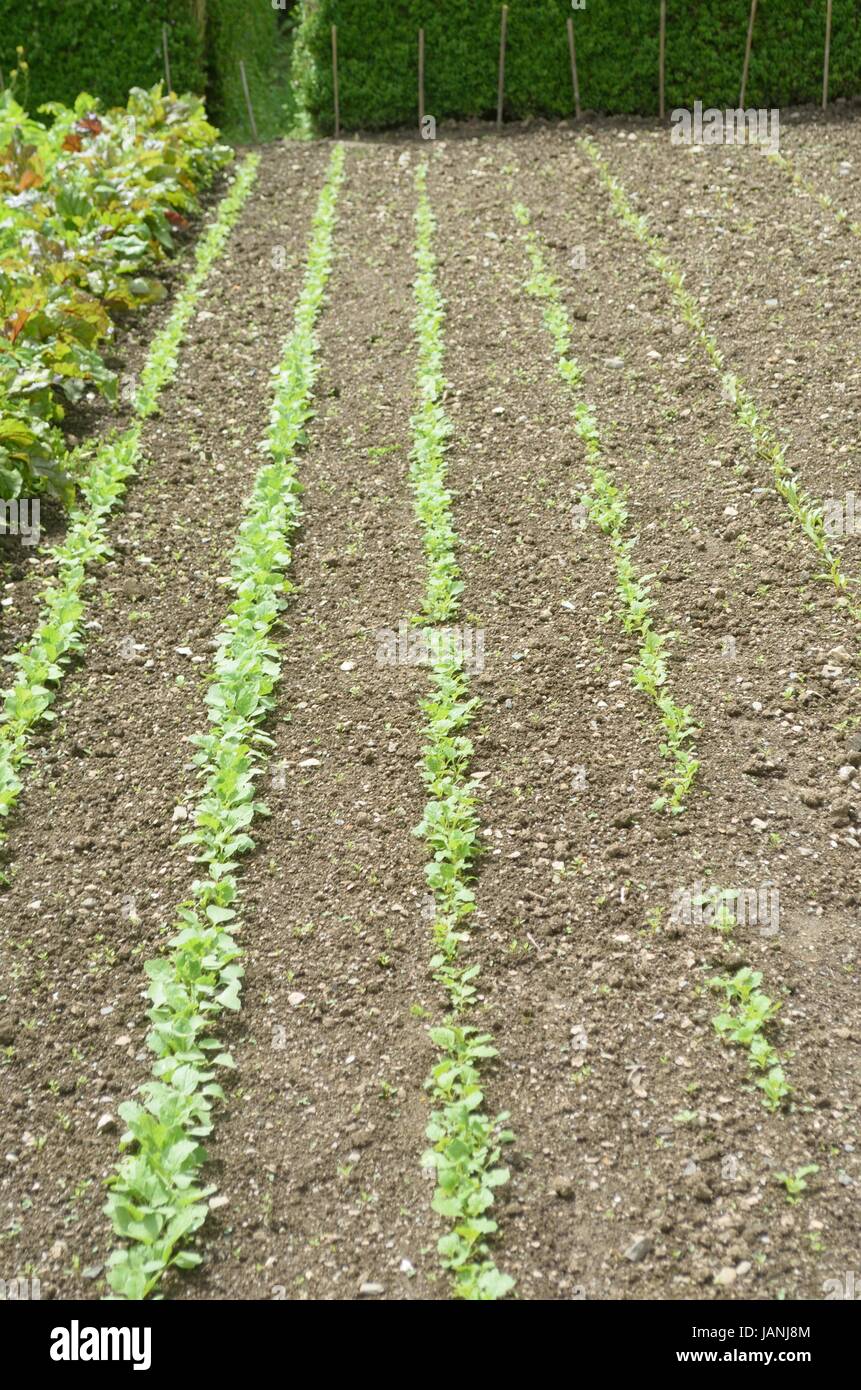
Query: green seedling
(156, 1199)
(59, 635)
(795, 1182)
(721, 909)
(743, 1023)
(465, 1142)
(606, 505)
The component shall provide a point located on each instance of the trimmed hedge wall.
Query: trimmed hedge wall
(100, 46)
(107, 46)
(255, 31)
(617, 56)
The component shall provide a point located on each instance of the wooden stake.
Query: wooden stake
(747, 51)
(335, 80)
(827, 56)
(248, 101)
(166, 57)
(503, 26)
(421, 79)
(663, 54)
(572, 49)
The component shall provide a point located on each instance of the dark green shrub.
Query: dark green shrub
(100, 46)
(247, 29)
(107, 46)
(617, 53)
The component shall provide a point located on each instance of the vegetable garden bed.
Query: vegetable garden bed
(519, 1017)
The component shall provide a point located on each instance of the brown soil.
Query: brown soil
(90, 843)
(644, 1162)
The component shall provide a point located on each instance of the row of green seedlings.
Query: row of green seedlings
(752, 1009)
(606, 506)
(747, 1011)
(466, 1143)
(808, 513)
(58, 635)
(743, 1021)
(157, 1199)
(825, 201)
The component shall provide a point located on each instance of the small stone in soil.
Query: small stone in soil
(639, 1248)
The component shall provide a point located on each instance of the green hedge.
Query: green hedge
(617, 56)
(247, 29)
(107, 46)
(100, 46)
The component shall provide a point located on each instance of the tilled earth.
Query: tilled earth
(644, 1164)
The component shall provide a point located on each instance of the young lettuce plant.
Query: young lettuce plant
(743, 1022)
(720, 904)
(466, 1143)
(606, 506)
(156, 1201)
(795, 1183)
(58, 635)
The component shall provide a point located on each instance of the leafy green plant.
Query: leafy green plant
(156, 1201)
(606, 506)
(59, 632)
(795, 1182)
(466, 1157)
(743, 1022)
(720, 904)
(88, 204)
(465, 1141)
